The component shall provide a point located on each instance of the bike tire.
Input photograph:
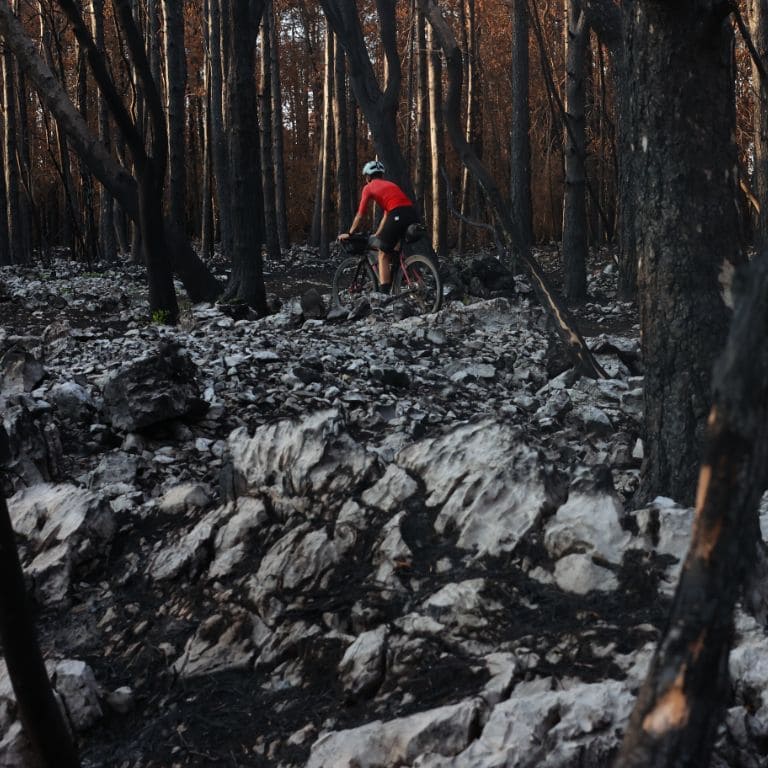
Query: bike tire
(418, 284)
(352, 280)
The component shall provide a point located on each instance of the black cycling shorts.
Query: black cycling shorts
(398, 220)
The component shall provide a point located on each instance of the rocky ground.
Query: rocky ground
(377, 541)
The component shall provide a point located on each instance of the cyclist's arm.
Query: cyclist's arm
(381, 224)
(355, 223)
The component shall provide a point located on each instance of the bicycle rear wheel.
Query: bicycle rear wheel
(418, 284)
(353, 279)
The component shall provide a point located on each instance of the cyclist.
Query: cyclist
(399, 214)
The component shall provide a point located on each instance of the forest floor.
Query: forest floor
(130, 627)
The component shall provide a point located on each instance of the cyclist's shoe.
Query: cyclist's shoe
(385, 288)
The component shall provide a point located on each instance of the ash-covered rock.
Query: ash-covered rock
(358, 540)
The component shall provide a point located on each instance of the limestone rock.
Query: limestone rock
(313, 455)
(76, 684)
(361, 669)
(444, 731)
(491, 486)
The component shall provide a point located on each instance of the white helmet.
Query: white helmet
(373, 167)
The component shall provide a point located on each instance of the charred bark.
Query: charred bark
(246, 282)
(519, 140)
(680, 705)
(575, 199)
(685, 222)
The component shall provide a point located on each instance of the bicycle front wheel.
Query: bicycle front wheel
(418, 284)
(352, 279)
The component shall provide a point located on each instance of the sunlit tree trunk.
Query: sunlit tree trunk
(439, 202)
(340, 121)
(327, 139)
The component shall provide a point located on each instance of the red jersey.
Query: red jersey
(385, 194)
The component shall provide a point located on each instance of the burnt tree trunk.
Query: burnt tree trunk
(218, 138)
(327, 151)
(439, 198)
(575, 199)
(278, 149)
(759, 32)
(685, 223)
(340, 120)
(606, 19)
(39, 712)
(268, 186)
(246, 281)
(519, 140)
(176, 87)
(5, 245)
(684, 696)
(107, 236)
(422, 112)
(379, 106)
(12, 182)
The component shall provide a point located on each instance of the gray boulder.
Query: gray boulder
(154, 389)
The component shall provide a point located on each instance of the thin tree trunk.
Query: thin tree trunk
(520, 145)
(206, 216)
(759, 32)
(379, 106)
(342, 150)
(106, 202)
(91, 239)
(327, 139)
(5, 244)
(219, 142)
(422, 112)
(15, 232)
(277, 131)
(439, 200)
(468, 188)
(575, 245)
(267, 156)
(176, 87)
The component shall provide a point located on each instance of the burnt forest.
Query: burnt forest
(383, 384)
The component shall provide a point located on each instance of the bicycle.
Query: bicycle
(415, 280)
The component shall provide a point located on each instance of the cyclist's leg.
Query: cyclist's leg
(385, 270)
